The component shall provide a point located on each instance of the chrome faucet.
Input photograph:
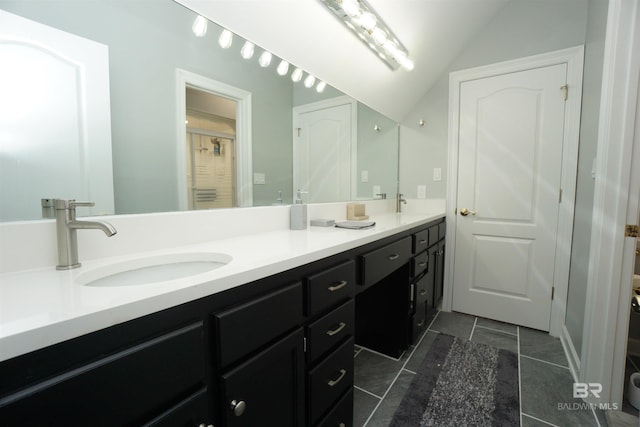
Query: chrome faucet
(399, 202)
(66, 226)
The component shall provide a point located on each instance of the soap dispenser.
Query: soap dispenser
(298, 213)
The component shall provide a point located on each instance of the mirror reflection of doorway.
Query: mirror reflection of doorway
(211, 150)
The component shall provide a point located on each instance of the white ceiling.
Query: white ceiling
(308, 35)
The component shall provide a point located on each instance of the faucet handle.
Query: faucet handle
(73, 204)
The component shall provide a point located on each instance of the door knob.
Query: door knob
(465, 212)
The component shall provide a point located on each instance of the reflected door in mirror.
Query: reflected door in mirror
(55, 130)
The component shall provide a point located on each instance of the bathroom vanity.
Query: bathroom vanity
(276, 350)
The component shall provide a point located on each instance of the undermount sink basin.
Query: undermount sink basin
(153, 269)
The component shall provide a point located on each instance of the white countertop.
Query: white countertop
(42, 307)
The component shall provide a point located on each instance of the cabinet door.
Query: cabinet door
(268, 389)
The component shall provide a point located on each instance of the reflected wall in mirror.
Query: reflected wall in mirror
(147, 42)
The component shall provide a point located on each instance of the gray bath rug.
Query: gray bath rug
(462, 383)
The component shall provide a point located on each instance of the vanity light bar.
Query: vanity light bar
(359, 17)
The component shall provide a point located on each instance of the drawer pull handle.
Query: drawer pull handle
(336, 330)
(341, 284)
(394, 256)
(238, 408)
(421, 322)
(423, 292)
(337, 380)
(423, 241)
(422, 264)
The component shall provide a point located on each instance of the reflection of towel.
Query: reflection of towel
(355, 225)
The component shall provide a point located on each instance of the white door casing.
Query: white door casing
(55, 119)
(324, 150)
(510, 158)
(573, 59)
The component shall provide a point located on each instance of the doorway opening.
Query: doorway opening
(213, 149)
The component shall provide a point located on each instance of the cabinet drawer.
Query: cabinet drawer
(419, 264)
(192, 411)
(328, 331)
(126, 388)
(342, 413)
(433, 234)
(330, 287)
(442, 230)
(247, 327)
(381, 262)
(420, 241)
(329, 380)
(424, 288)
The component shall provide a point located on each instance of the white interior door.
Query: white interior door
(322, 155)
(55, 121)
(509, 171)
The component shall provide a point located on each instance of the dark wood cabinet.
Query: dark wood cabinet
(276, 351)
(268, 388)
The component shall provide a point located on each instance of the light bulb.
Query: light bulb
(368, 21)
(199, 26)
(309, 81)
(283, 68)
(320, 86)
(265, 59)
(296, 76)
(379, 36)
(391, 47)
(404, 60)
(351, 8)
(247, 50)
(225, 39)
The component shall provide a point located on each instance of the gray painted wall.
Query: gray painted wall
(592, 83)
(522, 28)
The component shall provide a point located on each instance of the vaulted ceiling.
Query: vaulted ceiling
(308, 35)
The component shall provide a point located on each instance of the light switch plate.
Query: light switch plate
(437, 174)
(422, 191)
(376, 191)
(259, 178)
(364, 176)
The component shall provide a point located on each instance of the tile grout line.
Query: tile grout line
(400, 371)
(473, 328)
(547, 362)
(519, 374)
(538, 419)
(366, 391)
(497, 330)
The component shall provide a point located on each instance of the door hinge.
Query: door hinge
(304, 344)
(560, 196)
(631, 230)
(565, 90)
(299, 130)
(553, 291)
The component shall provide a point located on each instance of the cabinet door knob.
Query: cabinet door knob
(238, 408)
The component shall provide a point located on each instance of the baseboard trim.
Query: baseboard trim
(570, 352)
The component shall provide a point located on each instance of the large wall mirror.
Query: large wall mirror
(157, 158)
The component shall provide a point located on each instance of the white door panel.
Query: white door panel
(510, 158)
(323, 154)
(55, 123)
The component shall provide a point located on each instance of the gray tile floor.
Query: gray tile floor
(546, 383)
